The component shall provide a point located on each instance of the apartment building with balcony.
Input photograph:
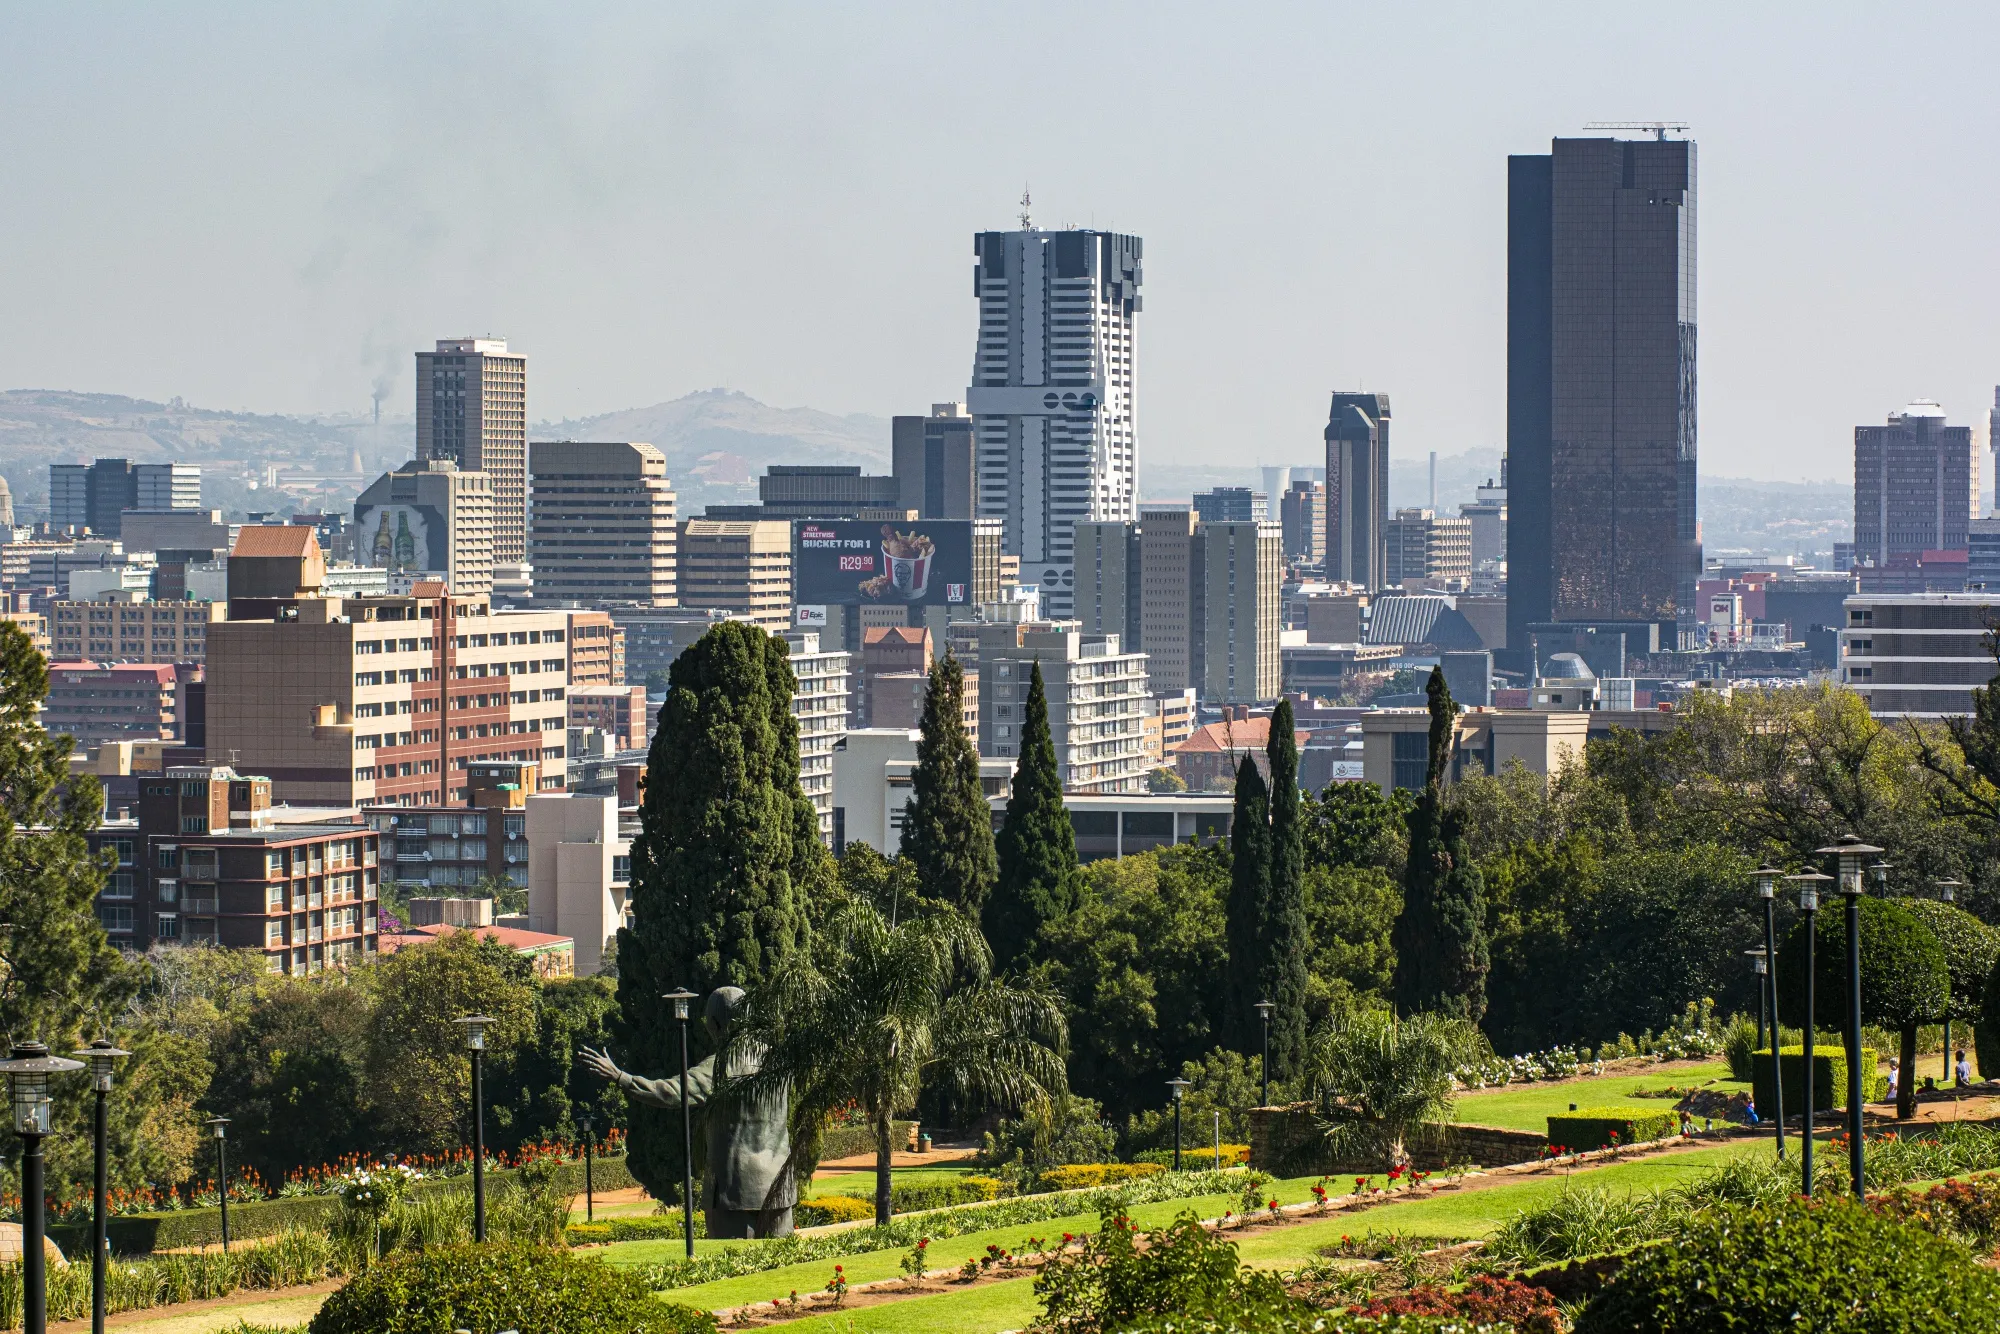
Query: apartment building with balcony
(446, 847)
(1097, 700)
(208, 860)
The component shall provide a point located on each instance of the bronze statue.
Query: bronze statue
(749, 1188)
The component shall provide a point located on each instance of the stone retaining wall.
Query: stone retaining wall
(1287, 1141)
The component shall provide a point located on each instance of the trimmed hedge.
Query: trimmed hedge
(658, 1227)
(905, 1197)
(1084, 1176)
(1829, 1078)
(847, 1141)
(824, 1209)
(174, 1229)
(1197, 1159)
(529, 1289)
(1830, 1266)
(1592, 1127)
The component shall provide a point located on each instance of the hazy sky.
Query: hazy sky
(271, 206)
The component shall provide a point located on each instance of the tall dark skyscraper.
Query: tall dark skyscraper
(1601, 383)
(1357, 489)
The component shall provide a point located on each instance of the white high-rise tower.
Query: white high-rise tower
(1053, 393)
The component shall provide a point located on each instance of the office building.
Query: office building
(476, 841)
(350, 701)
(888, 650)
(1918, 655)
(95, 702)
(1487, 513)
(1601, 383)
(823, 491)
(617, 711)
(1232, 504)
(1170, 597)
(1423, 544)
(653, 638)
(180, 535)
(1054, 391)
(1170, 720)
(1916, 487)
(472, 408)
(1243, 572)
(580, 872)
(820, 704)
(209, 861)
(935, 462)
(873, 786)
(429, 519)
(1110, 590)
(1097, 699)
(602, 525)
(742, 566)
(596, 650)
(1357, 489)
(1302, 516)
(897, 699)
(132, 628)
(96, 495)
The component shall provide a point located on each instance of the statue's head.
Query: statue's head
(724, 1004)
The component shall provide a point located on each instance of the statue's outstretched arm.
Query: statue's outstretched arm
(656, 1092)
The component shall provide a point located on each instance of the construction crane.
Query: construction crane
(1660, 128)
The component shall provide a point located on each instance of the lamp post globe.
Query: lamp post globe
(475, 1026)
(28, 1068)
(1179, 1087)
(102, 1058)
(1264, 1008)
(1852, 856)
(683, 1001)
(1767, 877)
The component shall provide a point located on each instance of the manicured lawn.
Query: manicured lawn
(986, 1309)
(1528, 1106)
(862, 1183)
(279, 1311)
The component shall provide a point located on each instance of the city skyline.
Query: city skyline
(286, 259)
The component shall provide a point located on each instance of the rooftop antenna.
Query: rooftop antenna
(1659, 128)
(1027, 223)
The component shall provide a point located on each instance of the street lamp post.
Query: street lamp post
(681, 999)
(1809, 905)
(1760, 965)
(1264, 1009)
(1947, 892)
(1179, 1086)
(102, 1058)
(1852, 855)
(589, 1185)
(1767, 886)
(28, 1068)
(475, 1026)
(219, 1127)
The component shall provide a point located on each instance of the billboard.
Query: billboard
(925, 562)
(400, 538)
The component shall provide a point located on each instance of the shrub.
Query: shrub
(661, 1227)
(1083, 1176)
(823, 1209)
(1593, 1127)
(1829, 1079)
(1966, 1210)
(1051, 1132)
(1581, 1220)
(491, 1287)
(1198, 1158)
(853, 1141)
(1739, 1043)
(1833, 1267)
(1486, 1301)
(1183, 1270)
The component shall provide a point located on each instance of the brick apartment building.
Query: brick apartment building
(378, 700)
(209, 860)
(132, 629)
(448, 846)
(95, 702)
(617, 711)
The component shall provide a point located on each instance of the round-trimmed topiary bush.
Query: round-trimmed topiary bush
(491, 1287)
(1833, 1267)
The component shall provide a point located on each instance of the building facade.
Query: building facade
(472, 408)
(1097, 699)
(1302, 516)
(95, 702)
(1171, 594)
(1423, 544)
(617, 711)
(820, 704)
(1918, 655)
(1109, 588)
(429, 519)
(1601, 383)
(580, 872)
(602, 527)
(1357, 489)
(1232, 504)
(1916, 487)
(742, 566)
(132, 628)
(1243, 573)
(825, 491)
(96, 495)
(935, 462)
(1054, 390)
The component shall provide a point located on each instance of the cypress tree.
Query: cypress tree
(1286, 939)
(948, 827)
(727, 852)
(1249, 903)
(1037, 847)
(1440, 938)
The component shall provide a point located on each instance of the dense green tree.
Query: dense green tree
(725, 864)
(1141, 968)
(543, 1091)
(1905, 979)
(877, 1012)
(1037, 847)
(1249, 904)
(890, 883)
(1440, 939)
(1223, 1086)
(419, 1075)
(1357, 824)
(1350, 913)
(1285, 937)
(948, 828)
(291, 1074)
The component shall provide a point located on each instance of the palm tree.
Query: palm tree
(880, 1011)
(1392, 1081)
